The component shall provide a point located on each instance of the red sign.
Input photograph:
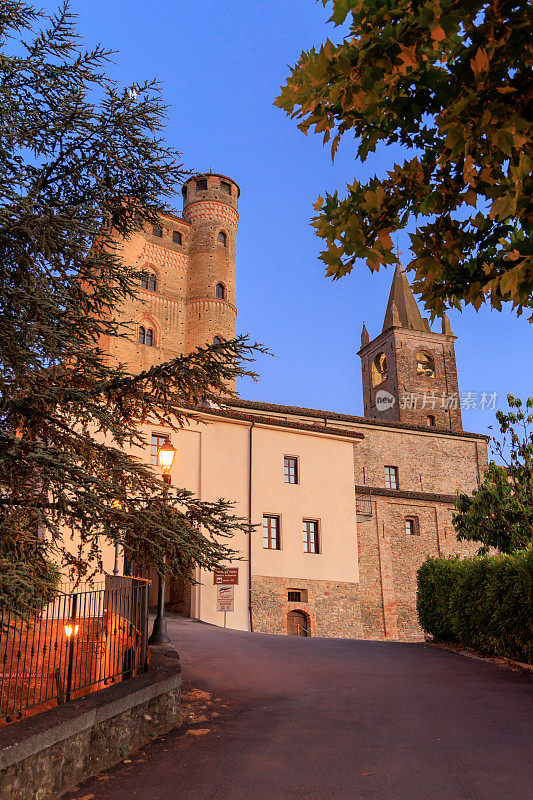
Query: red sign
(226, 577)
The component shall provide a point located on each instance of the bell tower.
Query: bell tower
(210, 205)
(409, 372)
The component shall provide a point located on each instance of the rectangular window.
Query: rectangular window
(290, 469)
(411, 526)
(157, 230)
(201, 184)
(297, 595)
(271, 532)
(158, 440)
(310, 532)
(391, 477)
(176, 237)
(225, 186)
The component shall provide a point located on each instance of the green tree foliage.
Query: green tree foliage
(500, 513)
(484, 602)
(83, 165)
(450, 82)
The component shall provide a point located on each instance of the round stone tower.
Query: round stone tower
(210, 205)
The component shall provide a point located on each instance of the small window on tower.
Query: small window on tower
(220, 291)
(157, 230)
(149, 337)
(412, 527)
(222, 238)
(142, 335)
(201, 184)
(217, 340)
(184, 190)
(225, 186)
(431, 420)
(149, 282)
(379, 369)
(176, 237)
(391, 477)
(425, 364)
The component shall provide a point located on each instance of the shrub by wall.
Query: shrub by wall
(485, 602)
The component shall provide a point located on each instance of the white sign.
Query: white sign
(384, 400)
(225, 598)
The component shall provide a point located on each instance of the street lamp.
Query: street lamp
(165, 459)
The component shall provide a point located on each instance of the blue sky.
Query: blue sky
(221, 63)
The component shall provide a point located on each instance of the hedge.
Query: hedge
(484, 602)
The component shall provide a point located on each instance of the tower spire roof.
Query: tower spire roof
(402, 309)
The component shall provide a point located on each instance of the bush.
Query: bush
(485, 602)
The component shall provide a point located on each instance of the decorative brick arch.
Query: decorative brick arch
(225, 290)
(150, 267)
(148, 321)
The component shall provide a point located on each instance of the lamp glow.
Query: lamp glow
(71, 630)
(165, 456)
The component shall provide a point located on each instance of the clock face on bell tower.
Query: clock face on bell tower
(409, 371)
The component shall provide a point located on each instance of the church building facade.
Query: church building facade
(346, 508)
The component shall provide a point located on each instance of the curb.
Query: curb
(500, 661)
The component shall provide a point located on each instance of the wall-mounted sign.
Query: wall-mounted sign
(226, 577)
(225, 598)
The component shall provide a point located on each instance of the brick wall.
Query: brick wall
(389, 558)
(183, 311)
(400, 346)
(429, 462)
(332, 607)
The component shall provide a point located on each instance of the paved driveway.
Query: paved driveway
(282, 718)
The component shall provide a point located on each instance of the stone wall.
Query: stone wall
(389, 558)
(332, 607)
(428, 462)
(44, 755)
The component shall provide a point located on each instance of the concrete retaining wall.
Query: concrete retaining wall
(43, 756)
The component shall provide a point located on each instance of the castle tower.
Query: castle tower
(210, 205)
(409, 372)
(189, 295)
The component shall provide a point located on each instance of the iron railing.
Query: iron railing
(81, 642)
(363, 504)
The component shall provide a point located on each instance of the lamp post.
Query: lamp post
(117, 504)
(70, 632)
(165, 458)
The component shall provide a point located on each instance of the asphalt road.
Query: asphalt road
(283, 718)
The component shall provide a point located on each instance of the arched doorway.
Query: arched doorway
(298, 624)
